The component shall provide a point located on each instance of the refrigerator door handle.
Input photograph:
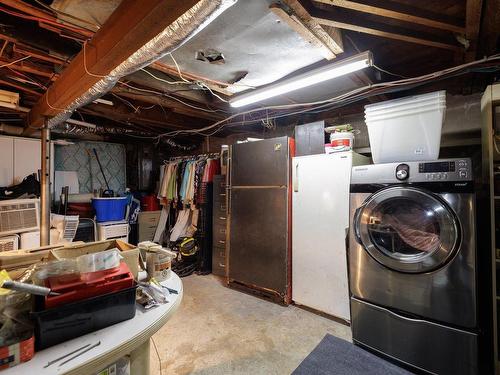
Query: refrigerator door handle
(296, 178)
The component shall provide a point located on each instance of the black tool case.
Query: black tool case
(62, 323)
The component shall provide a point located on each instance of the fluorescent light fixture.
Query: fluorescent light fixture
(313, 77)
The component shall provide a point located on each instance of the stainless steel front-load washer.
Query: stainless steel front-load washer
(412, 263)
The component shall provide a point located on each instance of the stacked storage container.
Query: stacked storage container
(407, 129)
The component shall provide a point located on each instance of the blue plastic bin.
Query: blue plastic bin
(109, 209)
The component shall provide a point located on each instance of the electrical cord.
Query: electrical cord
(157, 354)
(178, 69)
(326, 104)
(15, 61)
(59, 12)
(388, 72)
(375, 89)
(164, 80)
(77, 30)
(158, 93)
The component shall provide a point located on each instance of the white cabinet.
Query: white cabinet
(26, 158)
(20, 157)
(6, 161)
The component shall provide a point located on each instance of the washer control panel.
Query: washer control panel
(455, 171)
(447, 170)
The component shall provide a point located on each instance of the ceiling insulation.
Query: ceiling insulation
(257, 48)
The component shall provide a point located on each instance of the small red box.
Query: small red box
(17, 353)
(91, 284)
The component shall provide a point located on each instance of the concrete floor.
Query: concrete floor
(217, 330)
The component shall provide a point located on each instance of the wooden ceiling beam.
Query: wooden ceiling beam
(168, 120)
(217, 86)
(489, 38)
(172, 104)
(400, 16)
(39, 13)
(344, 21)
(301, 28)
(130, 26)
(187, 91)
(331, 38)
(29, 68)
(20, 87)
(26, 51)
(473, 10)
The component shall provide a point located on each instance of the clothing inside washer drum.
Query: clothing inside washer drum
(415, 230)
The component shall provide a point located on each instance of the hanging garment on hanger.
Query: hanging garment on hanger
(160, 181)
(200, 168)
(185, 181)
(172, 184)
(193, 226)
(181, 224)
(212, 168)
(167, 174)
(188, 199)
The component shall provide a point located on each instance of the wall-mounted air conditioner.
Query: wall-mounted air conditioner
(9, 243)
(19, 215)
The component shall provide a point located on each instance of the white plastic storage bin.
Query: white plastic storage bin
(406, 129)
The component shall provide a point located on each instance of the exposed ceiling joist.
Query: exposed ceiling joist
(489, 39)
(342, 21)
(473, 12)
(300, 28)
(37, 12)
(19, 87)
(152, 117)
(213, 85)
(174, 105)
(331, 38)
(131, 26)
(28, 68)
(186, 91)
(388, 13)
(26, 51)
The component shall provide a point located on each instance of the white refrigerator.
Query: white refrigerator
(320, 222)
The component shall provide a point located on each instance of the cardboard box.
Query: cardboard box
(17, 259)
(15, 354)
(129, 252)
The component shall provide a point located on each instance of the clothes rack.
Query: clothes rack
(212, 155)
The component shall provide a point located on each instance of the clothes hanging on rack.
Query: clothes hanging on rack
(181, 225)
(182, 179)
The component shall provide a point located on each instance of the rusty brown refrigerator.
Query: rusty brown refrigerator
(260, 217)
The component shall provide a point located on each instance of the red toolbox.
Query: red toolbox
(88, 285)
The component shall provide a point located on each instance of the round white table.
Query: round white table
(130, 337)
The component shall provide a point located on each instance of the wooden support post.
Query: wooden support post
(45, 200)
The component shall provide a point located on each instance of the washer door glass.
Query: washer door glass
(407, 229)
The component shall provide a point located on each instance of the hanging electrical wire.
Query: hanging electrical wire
(15, 61)
(61, 13)
(159, 93)
(77, 30)
(340, 100)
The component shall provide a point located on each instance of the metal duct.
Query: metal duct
(174, 36)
